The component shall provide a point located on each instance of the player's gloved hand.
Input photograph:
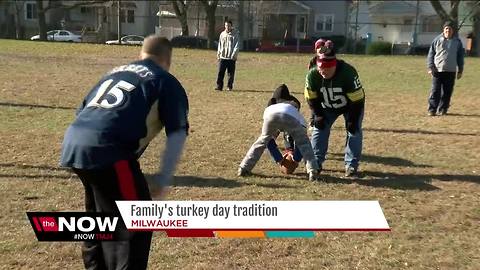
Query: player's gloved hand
(352, 126)
(318, 122)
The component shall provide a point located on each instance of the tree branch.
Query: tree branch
(440, 10)
(473, 9)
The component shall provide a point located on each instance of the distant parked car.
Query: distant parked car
(60, 35)
(128, 40)
(189, 42)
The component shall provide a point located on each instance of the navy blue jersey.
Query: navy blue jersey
(122, 114)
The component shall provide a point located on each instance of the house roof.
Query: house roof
(393, 8)
(284, 7)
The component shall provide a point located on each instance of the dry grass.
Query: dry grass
(424, 171)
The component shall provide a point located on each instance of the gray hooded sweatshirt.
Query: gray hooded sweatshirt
(446, 54)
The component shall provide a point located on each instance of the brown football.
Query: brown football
(288, 165)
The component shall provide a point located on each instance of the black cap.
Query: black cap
(282, 95)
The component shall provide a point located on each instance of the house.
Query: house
(169, 26)
(22, 17)
(262, 19)
(399, 22)
(302, 19)
(96, 20)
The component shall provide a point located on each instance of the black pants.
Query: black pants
(122, 181)
(442, 89)
(229, 66)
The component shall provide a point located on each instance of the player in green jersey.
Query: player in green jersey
(332, 88)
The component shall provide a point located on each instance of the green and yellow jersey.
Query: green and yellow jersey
(338, 93)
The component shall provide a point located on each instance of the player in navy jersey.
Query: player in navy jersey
(114, 124)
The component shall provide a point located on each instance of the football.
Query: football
(288, 165)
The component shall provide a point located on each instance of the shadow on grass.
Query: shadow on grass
(262, 91)
(418, 131)
(401, 181)
(367, 178)
(7, 104)
(35, 176)
(30, 166)
(25, 175)
(391, 161)
(197, 181)
(463, 115)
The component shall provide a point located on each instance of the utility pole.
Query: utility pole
(240, 24)
(415, 26)
(356, 27)
(119, 23)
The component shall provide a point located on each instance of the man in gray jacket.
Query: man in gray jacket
(227, 56)
(445, 55)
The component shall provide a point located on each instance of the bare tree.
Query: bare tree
(210, 7)
(181, 10)
(474, 16)
(447, 16)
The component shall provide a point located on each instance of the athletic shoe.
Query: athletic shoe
(229, 88)
(442, 113)
(243, 172)
(430, 113)
(351, 172)
(314, 176)
(218, 88)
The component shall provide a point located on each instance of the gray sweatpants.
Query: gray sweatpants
(271, 128)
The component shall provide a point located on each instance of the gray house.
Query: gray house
(302, 19)
(96, 21)
(22, 16)
(263, 19)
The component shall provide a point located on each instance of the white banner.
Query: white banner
(254, 215)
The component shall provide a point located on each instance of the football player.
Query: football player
(332, 88)
(114, 124)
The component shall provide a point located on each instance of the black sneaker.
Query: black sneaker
(218, 88)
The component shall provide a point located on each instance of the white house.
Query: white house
(395, 21)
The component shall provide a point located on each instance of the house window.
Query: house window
(301, 24)
(84, 10)
(432, 25)
(130, 16)
(407, 25)
(31, 11)
(324, 23)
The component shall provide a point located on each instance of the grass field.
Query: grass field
(423, 170)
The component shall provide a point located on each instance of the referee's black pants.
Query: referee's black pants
(122, 181)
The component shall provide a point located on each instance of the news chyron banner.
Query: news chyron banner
(262, 219)
(222, 219)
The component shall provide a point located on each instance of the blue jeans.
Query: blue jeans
(277, 155)
(353, 143)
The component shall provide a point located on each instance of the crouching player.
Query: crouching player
(281, 115)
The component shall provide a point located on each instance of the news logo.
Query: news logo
(77, 226)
